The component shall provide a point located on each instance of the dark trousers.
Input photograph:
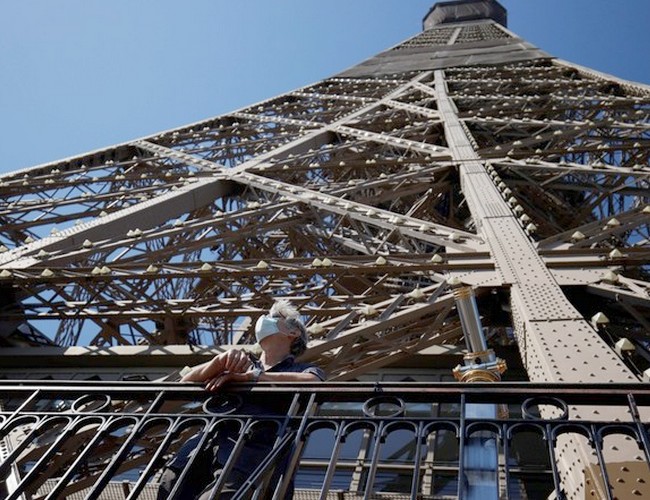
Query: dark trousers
(195, 488)
(206, 471)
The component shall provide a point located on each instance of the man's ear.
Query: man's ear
(290, 328)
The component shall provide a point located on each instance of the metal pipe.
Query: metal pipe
(470, 319)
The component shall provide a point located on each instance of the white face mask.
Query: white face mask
(268, 325)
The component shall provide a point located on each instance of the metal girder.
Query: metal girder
(552, 335)
(538, 298)
(596, 231)
(365, 213)
(636, 88)
(433, 151)
(418, 110)
(145, 215)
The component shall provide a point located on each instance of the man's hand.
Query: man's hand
(232, 361)
(215, 383)
(236, 361)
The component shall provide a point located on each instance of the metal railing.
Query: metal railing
(331, 440)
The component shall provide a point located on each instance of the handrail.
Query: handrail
(89, 437)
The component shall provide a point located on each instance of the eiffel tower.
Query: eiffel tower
(464, 153)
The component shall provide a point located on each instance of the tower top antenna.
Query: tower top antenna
(465, 10)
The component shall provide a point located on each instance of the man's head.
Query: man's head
(283, 319)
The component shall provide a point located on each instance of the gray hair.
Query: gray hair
(284, 309)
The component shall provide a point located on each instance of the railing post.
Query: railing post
(478, 478)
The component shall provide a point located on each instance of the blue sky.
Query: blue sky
(78, 75)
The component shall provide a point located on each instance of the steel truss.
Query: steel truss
(345, 196)
(358, 198)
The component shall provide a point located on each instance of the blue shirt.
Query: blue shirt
(289, 365)
(226, 441)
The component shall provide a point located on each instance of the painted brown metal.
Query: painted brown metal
(463, 152)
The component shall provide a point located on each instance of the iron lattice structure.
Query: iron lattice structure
(464, 152)
(357, 197)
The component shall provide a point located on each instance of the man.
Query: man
(282, 336)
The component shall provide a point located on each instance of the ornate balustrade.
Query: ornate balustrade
(331, 440)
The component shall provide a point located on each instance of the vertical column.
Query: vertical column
(557, 344)
(559, 337)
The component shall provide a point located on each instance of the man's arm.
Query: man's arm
(232, 361)
(288, 377)
(223, 378)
